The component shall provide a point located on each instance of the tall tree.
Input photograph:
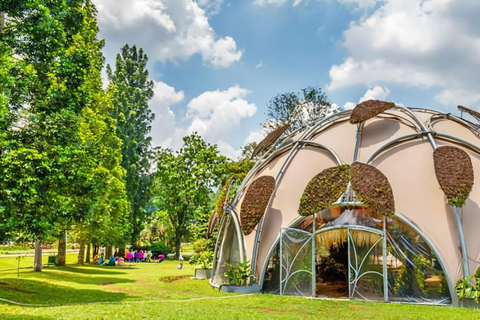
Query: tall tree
(184, 180)
(131, 90)
(48, 171)
(298, 109)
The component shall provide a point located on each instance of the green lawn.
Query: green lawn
(162, 291)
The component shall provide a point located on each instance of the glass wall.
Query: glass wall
(414, 272)
(296, 262)
(349, 260)
(229, 251)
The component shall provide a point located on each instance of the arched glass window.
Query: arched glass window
(350, 260)
(228, 251)
(414, 271)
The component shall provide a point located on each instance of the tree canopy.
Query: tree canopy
(183, 181)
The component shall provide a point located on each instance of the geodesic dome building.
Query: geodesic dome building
(377, 203)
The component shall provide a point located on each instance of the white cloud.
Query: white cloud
(259, 65)
(376, 93)
(426, 43)
(164, 123)
(211, 7)
(172, 30)
(358, 3)
(215, 115)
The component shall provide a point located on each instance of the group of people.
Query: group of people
(135, 256)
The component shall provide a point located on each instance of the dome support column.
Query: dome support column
(466, 268)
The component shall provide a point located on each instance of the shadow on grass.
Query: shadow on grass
(90, 269)
(80, 278)
(48, 294)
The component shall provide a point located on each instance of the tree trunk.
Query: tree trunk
(2, 20)
(178, 243)
(95, 250)
(108, 252)
(87, 259)
(37, 265)
(121, 252)
(81, 253)
(62, 250)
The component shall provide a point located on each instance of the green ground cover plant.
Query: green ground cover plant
(160, 290)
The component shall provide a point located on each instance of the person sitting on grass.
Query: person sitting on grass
(160, 258)
(120, 262)
(110, 262)
(129, 256)
(101, 259)
(95, 259)
(140, 256)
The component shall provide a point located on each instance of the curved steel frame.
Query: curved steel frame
(295, 146)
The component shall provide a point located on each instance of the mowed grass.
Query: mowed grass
(153, 290)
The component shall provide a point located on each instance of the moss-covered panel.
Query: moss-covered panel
(222, 197)
(212, 222)
(372, 188)
(369, 109)
(324, 189)
(255, 202)
(269, 139)
(454, 171)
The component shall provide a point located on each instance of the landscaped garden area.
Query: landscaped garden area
(160, 290)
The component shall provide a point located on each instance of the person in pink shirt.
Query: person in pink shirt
(140, 255)
(129, 256)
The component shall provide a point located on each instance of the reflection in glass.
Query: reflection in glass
(366, 265)
(414, 272)
(229, 251)
(342, 216)
(296, 262)
(349, 262)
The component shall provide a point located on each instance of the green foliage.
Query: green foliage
(240, 276)
(324, 189)
(203, 253)
(183, 182)
(469, 287)
(454, 172)
(130, 91)
(297, 109)
(60, 166)
(255, 202)
(156, 247)
(372, 188)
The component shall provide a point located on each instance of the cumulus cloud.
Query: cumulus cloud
(375, 93)
(211, 7)
(426, 43)
(164, 124)
(215, 115)
(167, 30)
(358, 3)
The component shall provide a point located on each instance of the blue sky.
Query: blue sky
(216, 63)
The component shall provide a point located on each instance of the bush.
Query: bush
(15, 248)
(156, 247)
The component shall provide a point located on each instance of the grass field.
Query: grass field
(162, 291)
